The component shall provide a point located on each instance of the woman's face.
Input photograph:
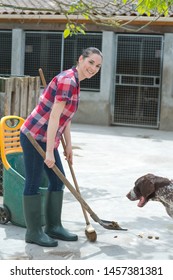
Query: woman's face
(89, 66)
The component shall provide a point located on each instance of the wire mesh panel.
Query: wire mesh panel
(51, 52)
(5, 52)
(138, 80)
(43, 50)
(73, 47)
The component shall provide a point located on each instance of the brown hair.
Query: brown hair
(86, 52)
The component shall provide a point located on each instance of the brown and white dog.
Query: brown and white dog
(152, 187)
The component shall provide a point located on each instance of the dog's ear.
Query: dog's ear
(146, 185)
(162, 182)
(158, 181)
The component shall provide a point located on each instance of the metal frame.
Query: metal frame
(137, 81)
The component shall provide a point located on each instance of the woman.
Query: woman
(48, 121)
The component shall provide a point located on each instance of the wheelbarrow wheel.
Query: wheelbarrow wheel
(4, 215)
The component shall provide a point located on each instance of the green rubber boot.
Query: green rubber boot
(53, 226)
(32, 214)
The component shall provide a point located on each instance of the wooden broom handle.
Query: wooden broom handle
(42, 77)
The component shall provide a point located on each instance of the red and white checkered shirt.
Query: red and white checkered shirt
(63, 87)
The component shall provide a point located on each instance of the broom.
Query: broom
(89, 230)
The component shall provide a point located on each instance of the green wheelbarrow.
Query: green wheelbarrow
(14, 173)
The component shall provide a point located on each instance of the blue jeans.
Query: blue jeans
(35, 166)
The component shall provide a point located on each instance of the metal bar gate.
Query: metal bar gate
(138, 80)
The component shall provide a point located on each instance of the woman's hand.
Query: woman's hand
(50, 159)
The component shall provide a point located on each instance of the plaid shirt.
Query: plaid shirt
(63, 87)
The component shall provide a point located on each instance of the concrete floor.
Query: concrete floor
(107, 161)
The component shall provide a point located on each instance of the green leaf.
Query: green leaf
(66, 33)
(79, 29)
(71, 26)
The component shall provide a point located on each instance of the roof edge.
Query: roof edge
(133, 20)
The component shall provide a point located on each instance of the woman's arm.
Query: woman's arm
(68, 149)
(55, 114)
